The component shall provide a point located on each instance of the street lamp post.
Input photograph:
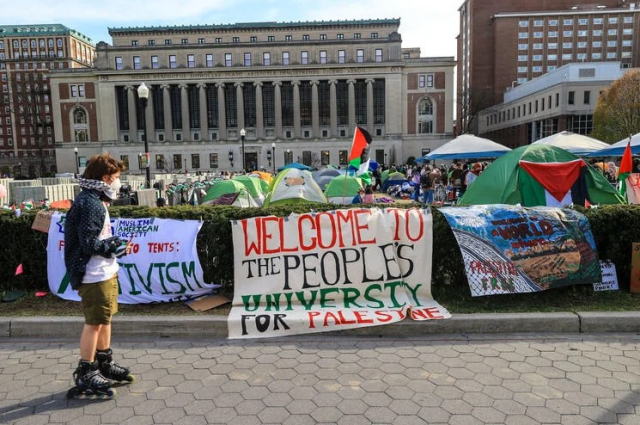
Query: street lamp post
(273, 154)
(242, 134)
(75, 151)
(143, 94)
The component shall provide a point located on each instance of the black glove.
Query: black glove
(121, 250)
(112, 243)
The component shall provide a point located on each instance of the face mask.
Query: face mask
(114, 188)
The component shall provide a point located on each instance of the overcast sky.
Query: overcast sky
(431, 25)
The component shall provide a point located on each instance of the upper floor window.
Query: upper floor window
(118, 62)
(553, 22)
(422, 81)
(209, 60)
(323, 36)
(285, 58)
(288, 38)
(247, 59)
(253, 39)
(167, 42)
(228, 59)
(151, 42)
(266, 58)
(374, 35)
(425, 116)
(184, 41)
(218, 40)
(323, 56)
(613, 20)
(340, 36)
(304, 57)
(305, 37)
(136, 62)
(271, 38)
(191, 61)
(134, 42)
(172, 61)
(356, 36)
(378, 55)
(597, 21)
(154, 62)
(342, 58)
(201, 41)
(236, 39)
(523, 24)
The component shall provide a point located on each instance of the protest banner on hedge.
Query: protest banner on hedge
(162, 265)
(332, 270)
(509, 249)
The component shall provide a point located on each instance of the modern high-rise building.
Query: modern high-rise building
(216, 89)
(27, 55)
(505, 43)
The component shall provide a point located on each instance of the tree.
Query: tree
(617, 113)
(28, 100)
(471, 102)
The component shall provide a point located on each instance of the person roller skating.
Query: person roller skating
(91, 252)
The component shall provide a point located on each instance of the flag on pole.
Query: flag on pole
(359, 155)
(625, 168)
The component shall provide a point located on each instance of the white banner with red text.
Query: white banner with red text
(162, 265)
(334, 270)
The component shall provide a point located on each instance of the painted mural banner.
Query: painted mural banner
(342, 269)
(511, 249)
(162, 265)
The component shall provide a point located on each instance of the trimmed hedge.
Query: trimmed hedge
(615, 228)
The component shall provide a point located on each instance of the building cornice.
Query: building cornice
(253, 26)
(604, 11)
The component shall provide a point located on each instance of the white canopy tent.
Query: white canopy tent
(467, 146)
(577, 144)
(617, 149)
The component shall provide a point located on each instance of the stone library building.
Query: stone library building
(254, 96)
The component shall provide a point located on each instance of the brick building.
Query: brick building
(27, 55)
(301, 86)
(504, 43)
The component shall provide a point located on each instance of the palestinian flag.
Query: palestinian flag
(562, 182)
(625, 168)
(359, 155)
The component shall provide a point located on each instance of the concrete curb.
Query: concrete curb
(216, 326)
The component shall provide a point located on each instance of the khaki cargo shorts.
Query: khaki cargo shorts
(99, 301)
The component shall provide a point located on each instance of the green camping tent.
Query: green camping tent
(222, 188)
(538, 175)
(342, 189)
(254, 186)
(294, 186)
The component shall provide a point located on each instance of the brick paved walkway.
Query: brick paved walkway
(512, 379)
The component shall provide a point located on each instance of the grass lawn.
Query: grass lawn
(456, 298)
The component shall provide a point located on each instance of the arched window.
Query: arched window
(425, 119)
(80, 127)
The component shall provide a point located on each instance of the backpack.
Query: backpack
(425, 181)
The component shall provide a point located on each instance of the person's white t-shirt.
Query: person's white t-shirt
(99, 268)
(471, 177)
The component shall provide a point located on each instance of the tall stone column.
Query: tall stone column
(204, 124)
(278, 106)
(259, 111)
(370, 123)
(315, 113)
(166, 100)
(186, 122)
(333, 105)
(222, 115)
(240, 104)
(150, 121)
(133, 116)
(296, 108)
(352, 106)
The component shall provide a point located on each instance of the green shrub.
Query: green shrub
(615, 228)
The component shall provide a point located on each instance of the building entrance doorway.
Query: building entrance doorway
(251, 161)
